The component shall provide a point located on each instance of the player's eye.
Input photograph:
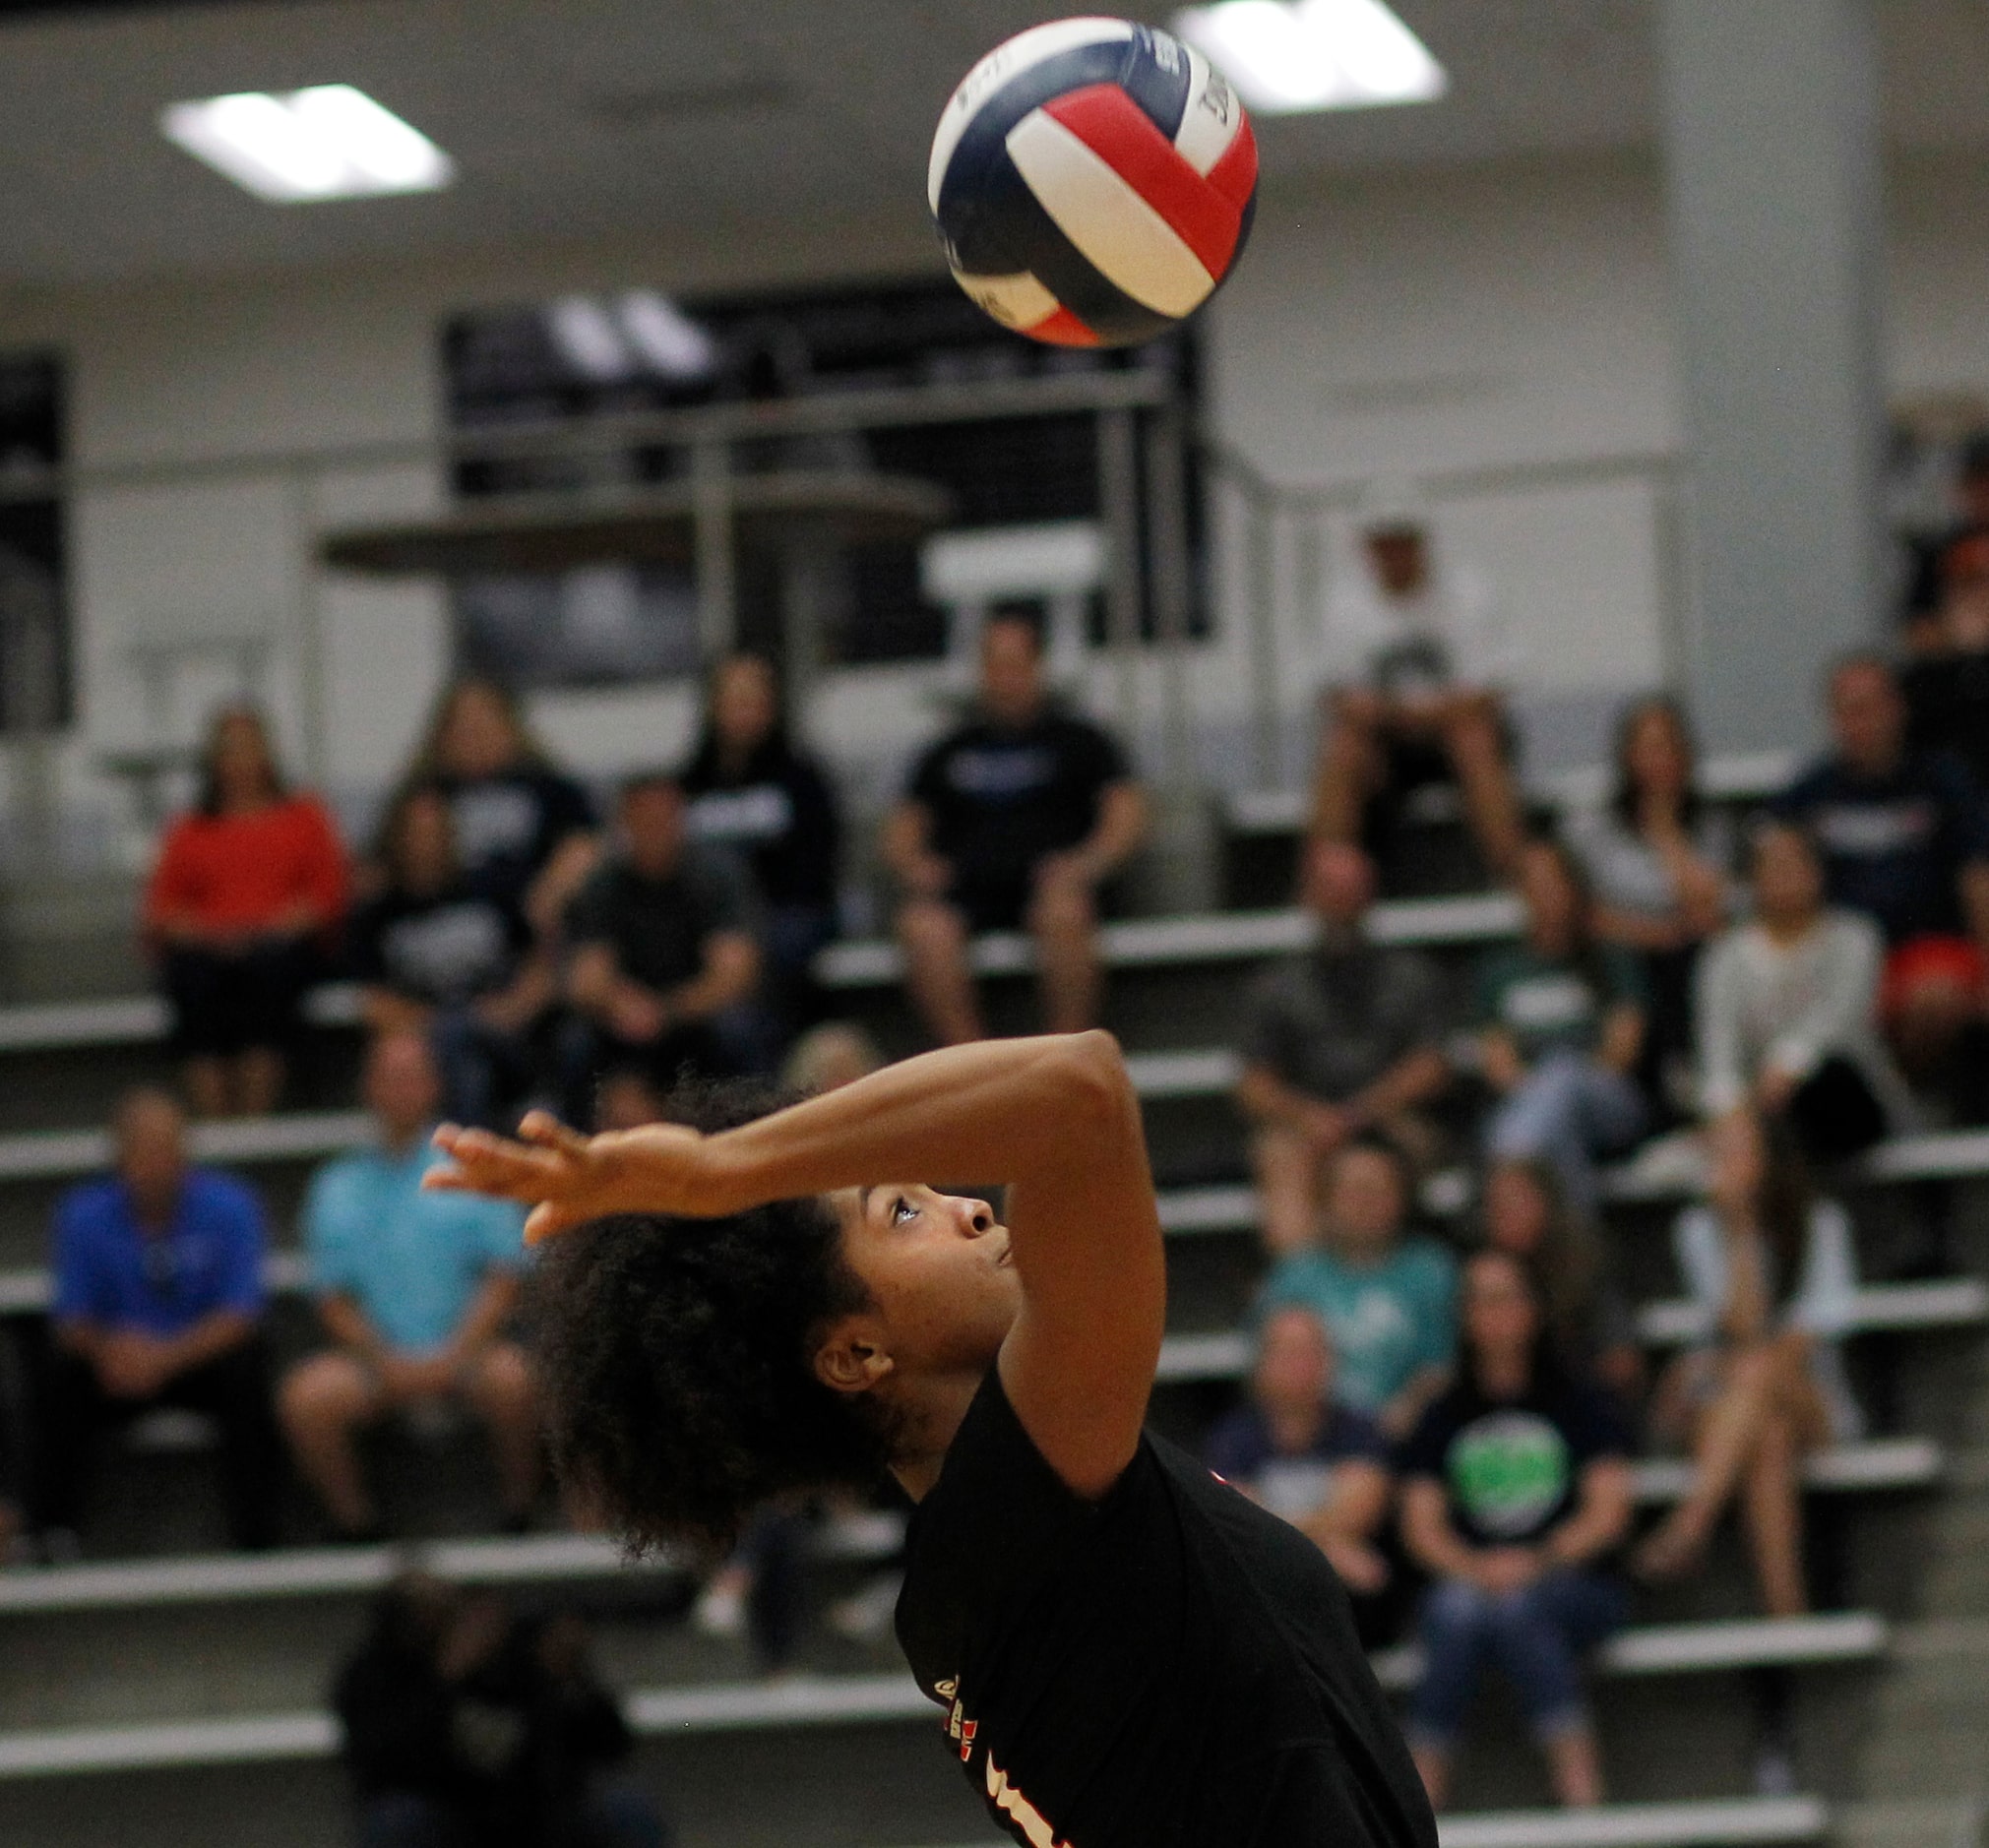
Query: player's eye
(903, 1210)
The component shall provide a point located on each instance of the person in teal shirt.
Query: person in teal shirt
(1389, 1301)
(1561, 1019)
(416, 1290)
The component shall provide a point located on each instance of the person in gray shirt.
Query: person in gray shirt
(1342, 1038)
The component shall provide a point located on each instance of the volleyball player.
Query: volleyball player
(1128, 1653)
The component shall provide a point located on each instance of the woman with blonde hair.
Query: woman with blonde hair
(247, 888)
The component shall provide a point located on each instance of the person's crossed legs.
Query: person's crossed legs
(326, 1402)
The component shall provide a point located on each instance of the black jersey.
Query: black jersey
(1171, 1665)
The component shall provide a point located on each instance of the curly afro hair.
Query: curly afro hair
(677, 1357)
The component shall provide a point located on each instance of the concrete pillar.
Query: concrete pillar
(1771, 158)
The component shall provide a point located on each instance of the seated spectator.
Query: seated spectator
(1387, 1299)
(752, 790)
(1014, 818)
(1771, 1273)
(441, 958)
(1409, 701)
(247, 888)
(663, 948)
(1929, 553)
(1561, 1032)
(1590, 1330)
(416, 1290)
(1947, 687)
(523, 831)
(1516, 1491)
(1344, 1037)
(1656, 861)
(1320, 1465)
(463, 1723)
(829, 1056)
(158, 1301)
(1788, 1010)
(1905, 838)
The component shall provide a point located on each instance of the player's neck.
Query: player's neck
(930, 1415)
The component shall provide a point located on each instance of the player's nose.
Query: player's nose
(976, 1217)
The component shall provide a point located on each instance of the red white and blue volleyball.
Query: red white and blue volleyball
(1093, 181)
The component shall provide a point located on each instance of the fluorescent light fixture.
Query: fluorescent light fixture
(589, 340)
(1313, 54)
(672, 344)
(329, 142)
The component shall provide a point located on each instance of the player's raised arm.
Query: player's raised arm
(1055, 1118)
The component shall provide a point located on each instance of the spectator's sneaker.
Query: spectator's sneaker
(59, 1546)
(721, 1610)
(1774, 1773)
(865, 1616)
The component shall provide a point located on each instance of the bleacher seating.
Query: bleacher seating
(1169, 1075)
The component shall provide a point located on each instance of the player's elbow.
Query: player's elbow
(1091, 1079)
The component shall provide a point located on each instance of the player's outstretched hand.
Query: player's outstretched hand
(567, 1178)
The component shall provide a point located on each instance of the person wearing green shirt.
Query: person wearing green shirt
(1561, 1020)
(1387, 1299)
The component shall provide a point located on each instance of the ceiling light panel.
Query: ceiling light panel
(328, 141)
(1289, 55)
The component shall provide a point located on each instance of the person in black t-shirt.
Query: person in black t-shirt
(1014, 818)
(1947, 687)
(1125, 1651)
(1905, 838)
(1515, 1488)
(438, 957)
(523, 831)
(664, 948)
(751, 790)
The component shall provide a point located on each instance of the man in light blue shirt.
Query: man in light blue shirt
(416, 1289)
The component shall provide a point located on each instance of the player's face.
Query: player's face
(938, 1271)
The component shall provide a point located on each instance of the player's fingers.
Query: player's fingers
(547, 1220)
(549, 1132)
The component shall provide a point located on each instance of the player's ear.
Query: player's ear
(852, 1356)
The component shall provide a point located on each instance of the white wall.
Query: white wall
(1501, 332)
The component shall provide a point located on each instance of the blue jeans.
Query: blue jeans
(1571, 1111)
(482, 1067)
(1537, 1635)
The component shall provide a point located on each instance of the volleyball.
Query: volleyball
(1093, 181)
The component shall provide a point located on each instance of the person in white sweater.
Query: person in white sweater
(1786, 1006)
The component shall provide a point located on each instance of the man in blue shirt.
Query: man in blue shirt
(1904, 837)
(415, 1290)
(158, 1300)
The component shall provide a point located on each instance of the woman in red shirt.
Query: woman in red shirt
(247, 887)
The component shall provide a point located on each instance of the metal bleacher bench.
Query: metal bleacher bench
(1741, 777)
(712, 1707)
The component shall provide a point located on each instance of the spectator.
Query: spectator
(1516, 1491)
(1771, 1272)
(1318, 1465)
(1345, 1037)
(524, 832)
(1788, 1010)
(439, 957)
(415, 1290)
(752, 790)
(1904, 837)
(246, 891)
(829, 1056)
(1386, 1300)
(1928, 556)
(663, 948)
(1590, 1330)
(158, 1301)
(462, 1724)
(1015, 818)
(1562, 1029)
(1657, 860)
(1947, 687)
(1410, 664)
